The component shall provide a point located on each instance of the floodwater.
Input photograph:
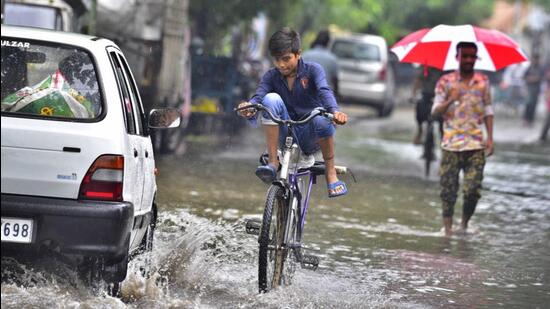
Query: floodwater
(381, 246)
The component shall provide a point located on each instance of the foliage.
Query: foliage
(545, 4)
(213, 20)
(391, 19)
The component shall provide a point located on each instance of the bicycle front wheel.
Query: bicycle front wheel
(272, 253)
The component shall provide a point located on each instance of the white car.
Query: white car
(77, 159)
(365, 75)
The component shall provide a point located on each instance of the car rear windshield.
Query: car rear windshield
(48, 81)
(356, 51)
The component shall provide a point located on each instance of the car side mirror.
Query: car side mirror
(160, 118)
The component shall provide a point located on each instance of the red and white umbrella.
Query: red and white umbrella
(436, 47)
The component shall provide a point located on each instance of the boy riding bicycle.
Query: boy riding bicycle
(291, 90)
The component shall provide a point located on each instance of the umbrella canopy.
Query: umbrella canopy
(436, 47)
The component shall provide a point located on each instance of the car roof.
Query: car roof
(47, 35)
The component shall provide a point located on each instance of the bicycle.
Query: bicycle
(281, 229)
(428, 143)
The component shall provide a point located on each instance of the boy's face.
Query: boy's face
(287, 63)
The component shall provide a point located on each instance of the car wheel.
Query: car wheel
(100, 275)
(385, 109)
(116, 272)
(146, 246)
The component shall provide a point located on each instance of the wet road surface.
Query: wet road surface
(381, 246)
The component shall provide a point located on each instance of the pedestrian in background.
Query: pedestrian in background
(534, 76)
(320, 53)
(425, 81)
(463, 98)
(513, 87)
(546, 126)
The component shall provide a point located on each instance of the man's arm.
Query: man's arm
(442, 106)
(335, 77)
(488, 119)
(444, 97)
(335, 83)
(489, 149)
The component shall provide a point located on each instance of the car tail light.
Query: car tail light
(382, 74)
(104, 179)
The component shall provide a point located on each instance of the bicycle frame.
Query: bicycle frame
(312, 180)
(290, 181)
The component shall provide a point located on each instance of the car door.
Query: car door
(133, 158)
(148, 167)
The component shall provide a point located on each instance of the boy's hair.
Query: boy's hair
(465, 44)
(283, 41)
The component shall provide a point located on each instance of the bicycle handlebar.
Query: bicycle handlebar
(315, 112)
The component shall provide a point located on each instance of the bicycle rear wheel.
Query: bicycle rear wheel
(272, 254)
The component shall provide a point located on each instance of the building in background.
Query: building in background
(526, 22)
(155, 37)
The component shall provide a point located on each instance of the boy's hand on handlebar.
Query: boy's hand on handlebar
(246, 113)
(340, 118)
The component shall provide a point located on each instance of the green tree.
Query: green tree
(391, 18)
(213, 19)
(545, 4)
(398, 20)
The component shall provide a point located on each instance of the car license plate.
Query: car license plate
(17, 230)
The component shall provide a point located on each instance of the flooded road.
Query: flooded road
(381, 246)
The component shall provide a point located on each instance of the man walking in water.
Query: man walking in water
(463, 99)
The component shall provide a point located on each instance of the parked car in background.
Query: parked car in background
(77, 161)
(365, 75)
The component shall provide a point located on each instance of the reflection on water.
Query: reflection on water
(380, 246)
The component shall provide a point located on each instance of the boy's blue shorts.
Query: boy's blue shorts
(307, 134)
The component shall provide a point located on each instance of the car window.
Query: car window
(45, 80)
(356, 51)
(134, 95)
(125, 95)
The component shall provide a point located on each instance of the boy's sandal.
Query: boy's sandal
(267, 173)
(336, 189)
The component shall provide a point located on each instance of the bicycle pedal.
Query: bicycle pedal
(310, 262)
(253, 226)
